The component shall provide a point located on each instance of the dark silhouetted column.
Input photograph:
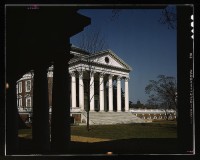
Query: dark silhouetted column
(60, 125)
(11, 119)
(40, 126)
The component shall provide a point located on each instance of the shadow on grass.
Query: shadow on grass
(128, 146)
(25, 146)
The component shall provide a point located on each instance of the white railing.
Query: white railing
(152, 111)
(29, 109)
(74, 110)
(24, 109)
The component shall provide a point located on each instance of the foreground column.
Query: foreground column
(73, 89)
(40, 125)
(81, 91)
(126, 95)
(110, 92)
(119, 94)
(101, 92)
(12, 141)
(60, 125)
(92, 91)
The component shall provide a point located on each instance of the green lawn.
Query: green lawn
(127, 131)
(25, 133)
(165, 129)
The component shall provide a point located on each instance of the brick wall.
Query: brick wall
(50, 85)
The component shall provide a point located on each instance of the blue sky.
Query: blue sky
(137, 37)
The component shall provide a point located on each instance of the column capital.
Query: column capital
(119, 78)
(126, 79)
(111, 75)
(80, 73)
(72, 73)
(101, 75)
(92, 73)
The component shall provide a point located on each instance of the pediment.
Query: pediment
(109, 58)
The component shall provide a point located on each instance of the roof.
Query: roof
(79, 50)
(100, 54)
(81, 55)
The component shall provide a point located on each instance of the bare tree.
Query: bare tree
(168, 16)
(115, 14)
(164, 88)
(91, 42)
(163, 91)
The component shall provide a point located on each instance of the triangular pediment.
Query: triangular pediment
(109, 58)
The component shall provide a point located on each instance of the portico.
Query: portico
(99, 75)
(99, 82)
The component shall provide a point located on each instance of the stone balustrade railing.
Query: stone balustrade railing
(152, 111)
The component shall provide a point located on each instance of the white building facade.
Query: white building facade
(97, 72)
(92, 79)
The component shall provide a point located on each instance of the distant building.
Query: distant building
(96, 72)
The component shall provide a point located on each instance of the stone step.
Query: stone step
(113, 118)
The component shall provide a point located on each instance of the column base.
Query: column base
(92, 111)
(102, 111)
(118, 111)
(82, 109)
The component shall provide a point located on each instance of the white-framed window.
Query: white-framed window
(28, 102)
(28, 85)
(20, 87)
(17, 88)
(20, 102)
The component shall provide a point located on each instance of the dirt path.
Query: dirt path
(74, 138)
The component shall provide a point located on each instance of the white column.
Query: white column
(119, 94)
(92, 91)
(126, 95)
(101, 92)
(81, 91)
(105, 96)
(110, 92)
(73, 89)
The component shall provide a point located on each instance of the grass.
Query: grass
(128, 131)
(158, 129)
(25, 133)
